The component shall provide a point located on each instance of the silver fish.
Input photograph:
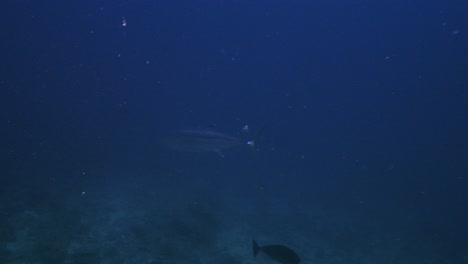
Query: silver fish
(203, 141)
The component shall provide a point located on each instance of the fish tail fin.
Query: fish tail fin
(256, 248)
(257, 135)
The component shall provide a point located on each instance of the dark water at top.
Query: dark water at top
(363, 158)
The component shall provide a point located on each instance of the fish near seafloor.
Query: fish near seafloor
(203, 141)
(279, 253)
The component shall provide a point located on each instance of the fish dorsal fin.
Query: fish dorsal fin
(212, 127)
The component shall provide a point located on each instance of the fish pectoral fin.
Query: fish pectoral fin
(220, 153)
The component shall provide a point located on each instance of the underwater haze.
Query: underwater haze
(178, 132)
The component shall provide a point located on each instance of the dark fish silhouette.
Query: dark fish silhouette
(204, 141)
(279, 253)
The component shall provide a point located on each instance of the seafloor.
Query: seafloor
(165, 222)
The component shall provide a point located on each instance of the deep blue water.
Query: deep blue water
(363, 158)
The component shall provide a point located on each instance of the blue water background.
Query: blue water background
(363, 103)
